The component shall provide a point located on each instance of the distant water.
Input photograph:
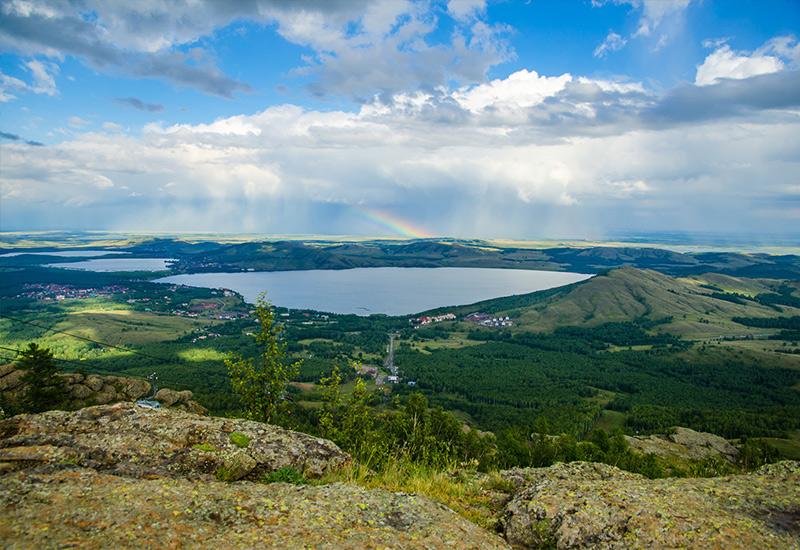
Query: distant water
(67, 253)
(389, 290)
(119, 264)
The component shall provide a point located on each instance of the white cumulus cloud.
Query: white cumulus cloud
(727, 63)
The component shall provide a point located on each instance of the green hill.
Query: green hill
(697, 307)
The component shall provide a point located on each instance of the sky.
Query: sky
(464, 118)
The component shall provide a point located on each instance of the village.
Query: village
(478, 318)
(201, 308)
(56, 292)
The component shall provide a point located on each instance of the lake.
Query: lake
(389, 290)
(118, 264)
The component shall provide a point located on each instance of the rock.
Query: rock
(235, 466)
(704, 444)
(122, 476)
(94, 382)
(135, 441)
(580, 505)
(12, 380)
(105, 395)
(84, 390)
(169, 397)
(94, 510)
(685, 444)
(6, 369)
(132, 388)
(80, 392)
(73, 377)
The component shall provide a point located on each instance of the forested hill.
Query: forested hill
(317, 254)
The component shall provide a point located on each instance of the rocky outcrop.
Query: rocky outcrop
(123, 476)
(81, 390)
(587, 505)
(92, 510)
(129, 440)
(683, 443)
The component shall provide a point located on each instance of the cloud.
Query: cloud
(77, 122)
(387, 50)
(520, 90)
(358, 47)
(612, 43)
(114, 39)
(518, 155)
(465, 9)
(655, 11)
(137, 103)
(15, 137)
(725, 63)
(729, 97)
(42, 80)
(657, 19)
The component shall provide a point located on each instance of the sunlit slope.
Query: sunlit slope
(694, 307)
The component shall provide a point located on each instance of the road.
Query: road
(389, 363)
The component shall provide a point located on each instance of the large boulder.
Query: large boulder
(130, 440)
(81, 390)
(683, 443)
(586, 505)
(124, 476)
(91, 510)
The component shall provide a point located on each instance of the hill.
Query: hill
(693, 307)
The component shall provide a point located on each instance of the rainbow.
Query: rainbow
(393, 223)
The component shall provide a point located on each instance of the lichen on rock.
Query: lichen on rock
(122, 476)
(135, 441)
(684, 443)
(584, 505)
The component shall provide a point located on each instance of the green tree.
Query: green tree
(349, 422)
(357, 422)
(329, 420)
(45, 389)
(261, 385)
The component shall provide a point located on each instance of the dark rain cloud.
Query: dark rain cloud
(728, 98)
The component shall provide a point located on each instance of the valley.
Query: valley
(630, 348)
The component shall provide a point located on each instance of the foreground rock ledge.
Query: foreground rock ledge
(90, 510)
(129, 440)
(587, 505)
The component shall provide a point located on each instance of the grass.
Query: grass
(240, 440)
(789, 448)
(202, 354)
(455, 341)
(100, 320)
(465, 492)
(127, 326)
(286, 474)
(610, 420)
